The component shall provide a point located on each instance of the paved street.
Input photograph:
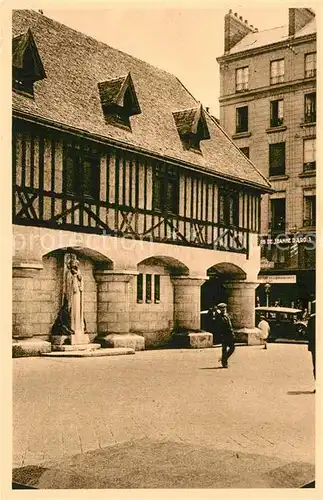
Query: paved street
(166, 418)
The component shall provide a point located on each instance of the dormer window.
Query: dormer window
(27, 67)
(192, 127)
(119, 101)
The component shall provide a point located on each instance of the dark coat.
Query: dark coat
(311, 333)
(224, 329)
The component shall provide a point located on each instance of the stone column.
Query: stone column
(241, 308)
(187, 310)
(24, 301)
(113, 310)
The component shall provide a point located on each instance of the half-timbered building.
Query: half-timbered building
(115, 161)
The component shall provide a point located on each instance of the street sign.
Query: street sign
(276, 278)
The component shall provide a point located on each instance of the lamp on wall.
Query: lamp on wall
(267, 292)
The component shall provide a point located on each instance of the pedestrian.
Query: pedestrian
(225, 330)
(263, 325)
(211, 320)
(305, 315)
(311, 340)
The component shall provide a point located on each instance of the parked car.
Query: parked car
(284, 322)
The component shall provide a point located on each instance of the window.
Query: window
(245, 151)
(280, 255)
(192, 127)
(228, 207)
(310, 65)
(309, 211)
(146, 285)
(165, 189)
(119, 101)
(309, 154)
(276, 113)
(242, 119)
(140, 288)
(277, 71)
(156, 288)
(27, 67)
(82, 172)
(242, 79)
(310, 108)
(277, 159)
(306, 256)
(278, 209)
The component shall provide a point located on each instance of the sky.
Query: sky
(184, 39)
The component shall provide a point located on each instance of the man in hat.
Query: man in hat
(263, 325)
(311, 337)
(226, 333)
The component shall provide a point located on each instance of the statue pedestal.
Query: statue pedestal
(75, 347)
(80, 342)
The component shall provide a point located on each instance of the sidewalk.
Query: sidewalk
(165, 419)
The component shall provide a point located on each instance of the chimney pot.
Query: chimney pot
(236, 14)
(241, 18)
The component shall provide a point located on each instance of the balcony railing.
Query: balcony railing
(241, 87)
(310, 117)
(80, 214)
(311, 222)
(276, 79)
(309, 166)
(276, 122)
(310, 73)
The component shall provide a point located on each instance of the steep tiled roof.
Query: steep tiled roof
(273, 35)
(75, 64)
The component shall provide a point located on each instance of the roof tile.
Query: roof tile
(75, 63)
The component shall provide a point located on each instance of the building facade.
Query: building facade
(115, 163)
(268, 107)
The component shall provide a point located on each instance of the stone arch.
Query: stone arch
(227, 271)
(172, 266)
(213, 290)
(152, 298)
(98, 259)
(51, 279)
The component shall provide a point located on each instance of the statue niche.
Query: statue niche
(69, 326)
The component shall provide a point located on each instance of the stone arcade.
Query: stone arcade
(118, 166)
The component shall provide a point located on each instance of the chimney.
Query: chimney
(297, 18)
(235, 29)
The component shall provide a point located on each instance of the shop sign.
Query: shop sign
(276, 278)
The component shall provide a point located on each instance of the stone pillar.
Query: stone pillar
(113, 310)
(187, 310)
(24, 299)
(241, 308)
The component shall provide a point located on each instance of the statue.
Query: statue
(70, 321)
(74, 295)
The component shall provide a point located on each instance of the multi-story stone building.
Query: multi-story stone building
(268, 107)
(116, 163)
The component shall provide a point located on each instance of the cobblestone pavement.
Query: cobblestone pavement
(262, 405)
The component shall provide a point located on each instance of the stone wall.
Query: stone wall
(38, 298)
(153, 320)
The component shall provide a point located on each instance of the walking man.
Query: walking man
(311, 340)
(226, 333)
(263, 325)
